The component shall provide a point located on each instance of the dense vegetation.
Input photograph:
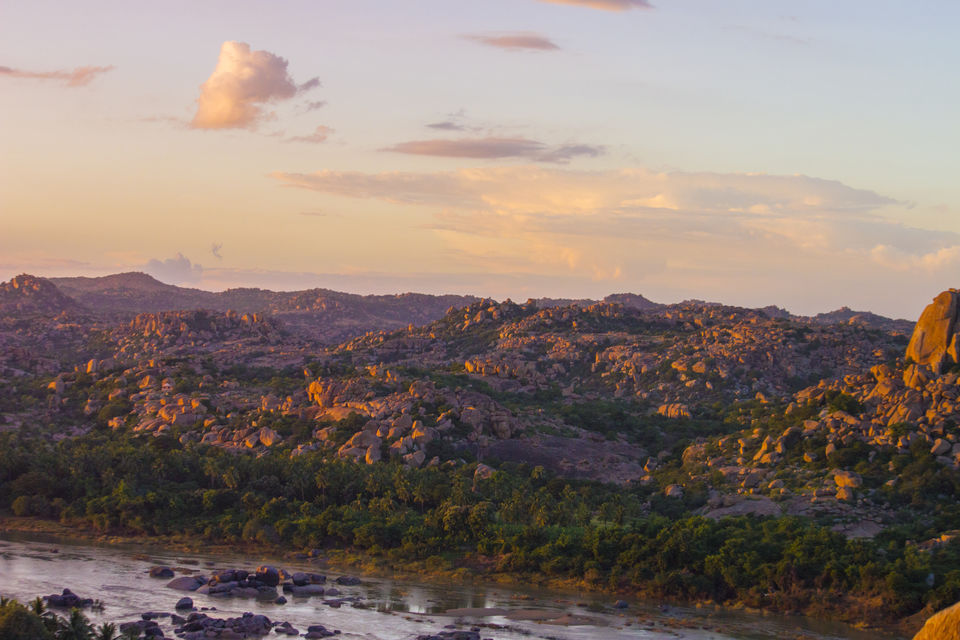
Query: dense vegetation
(36, 622)
(519, 520)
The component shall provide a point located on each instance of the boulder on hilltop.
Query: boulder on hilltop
(943, 625)
(26, 294)
(934, 340)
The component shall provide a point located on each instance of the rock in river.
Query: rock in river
(186, 583)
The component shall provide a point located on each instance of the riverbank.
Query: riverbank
(838, 608)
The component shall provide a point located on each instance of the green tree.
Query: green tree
(19, 623)
(76, 627)
(106, 631)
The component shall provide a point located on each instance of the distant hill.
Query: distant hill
(633, 301)
(846, 315)
(27, 295)
(319, 313)
(133, 293)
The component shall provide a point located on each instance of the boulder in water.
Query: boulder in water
(185, 583)
(268, 575)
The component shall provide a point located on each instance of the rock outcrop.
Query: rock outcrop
(934, 340)
(943, 625)
(27, 295)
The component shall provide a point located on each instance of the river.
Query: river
(394, 609)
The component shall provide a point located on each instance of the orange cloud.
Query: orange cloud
(234, 95)
(606, 5)
(534, 190)
(942, 259)
(492, 147)
(320, 134)
(79, 77)
(631, 223)
(515, 41)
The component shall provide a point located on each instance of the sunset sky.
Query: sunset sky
(753, 152)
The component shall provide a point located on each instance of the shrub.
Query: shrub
(19, 623)
(30, 506)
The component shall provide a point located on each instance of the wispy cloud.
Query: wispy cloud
(215, 250)
(524, 189)
(78, 77)
(708, 232)
(319, 135)
(446, 125)
(524, 41)
(320, 214)
(242, 83)
(314, 105)
(904, 261)
(312, 83)
(173, 121)
(470, 148)
(565, 152)
(606, 5)
(493, 147)
(769, 35)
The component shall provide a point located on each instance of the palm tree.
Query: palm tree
(106, 631)
(38, 606)
(49, 618)
(76, 627)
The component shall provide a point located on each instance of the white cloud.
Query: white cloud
(177, 270)
(533, 190)
(242, 83)
(945, 258)
(758, 239)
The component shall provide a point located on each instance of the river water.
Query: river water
(395, 609)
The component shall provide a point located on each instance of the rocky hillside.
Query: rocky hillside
(598, 390)
(27, 296)
(846, 423)
(601, 390)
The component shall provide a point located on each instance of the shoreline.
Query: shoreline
(343, 560)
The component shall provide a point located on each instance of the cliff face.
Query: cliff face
(934, 340)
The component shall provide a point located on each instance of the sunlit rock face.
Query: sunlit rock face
(934, 340)
(944, 625)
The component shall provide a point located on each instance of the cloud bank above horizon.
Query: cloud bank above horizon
(564, 148)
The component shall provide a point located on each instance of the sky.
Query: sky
(751, 152)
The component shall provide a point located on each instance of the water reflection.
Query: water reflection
(391, 609)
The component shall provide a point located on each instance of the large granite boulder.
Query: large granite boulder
(943, 625)
(268, 575)
(934, 340)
